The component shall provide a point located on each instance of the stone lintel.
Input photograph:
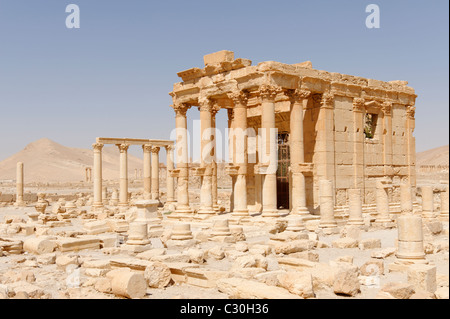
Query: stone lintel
(133, 141)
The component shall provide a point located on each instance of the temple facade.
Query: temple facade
(301, 126)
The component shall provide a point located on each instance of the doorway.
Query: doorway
(284, 161)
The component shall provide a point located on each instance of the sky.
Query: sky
(111, 77)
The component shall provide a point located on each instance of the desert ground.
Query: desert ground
(68, 251)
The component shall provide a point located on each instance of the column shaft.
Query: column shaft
(155, 173)
(269, 152)
(181, 147)
(98, 179)
(147, 171)
(206, 204)
(19, 185)
(123, 182)
(298, 193)
(241, 157)
(170, 180)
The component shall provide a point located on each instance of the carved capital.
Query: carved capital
(301, 94)
(147, 148)
(97, 146)
(181, 108)
(239, 98)
(169, 148)
(359, 104)
(205, 104)
(123, 147)
(386, 107)
(230, 114)
(410, 111)
(327, 100)
(269, 92)
(155, 149)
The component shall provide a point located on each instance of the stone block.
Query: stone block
(218, 57)
(370, 243)
(238, 288)
(422, 277)
(297, 283)
(399, 290)
(344, 243)
(76, 244)
(158, 275)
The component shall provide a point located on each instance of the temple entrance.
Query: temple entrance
(284, 161)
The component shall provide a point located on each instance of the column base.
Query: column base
(239, 220)
(270, 213)
(97, 206)
(204, 214)
(356, 222)
(300, 211)
(182, 213)
(20, 204)
(240, 213)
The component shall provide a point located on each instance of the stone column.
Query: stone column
(382, 202)
(386, 108)
(241, 157)
(427, 202)
(155, 173)
(358, 144)
(170, 179)
(19, 185)
(444, 205)
(147, 148)
(231, 155)
(406, 198)
(269, 150)
(98, 179)
(410, 239)
(206, 204)
(214, 110)
(181, 147)
(355, 207)
(298, 195)
(123, 192)
(325, 152)
(326, 191)
(411, 143)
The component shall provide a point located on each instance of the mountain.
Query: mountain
(436, 156)
(47, 161)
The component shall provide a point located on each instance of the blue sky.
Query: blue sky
(112, 76)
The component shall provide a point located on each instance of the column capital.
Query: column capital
(155, 149)
(410, 111)
(269, 92)
(386, 108)
(205, 104)
(297, 95)
(327, 100)
(97, 146)
(180, 108)
(239, 98)
(169, 147)
(359, 104)
(147, 148)
(230, 114)
(123, 147)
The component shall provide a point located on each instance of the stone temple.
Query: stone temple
(346, 129)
